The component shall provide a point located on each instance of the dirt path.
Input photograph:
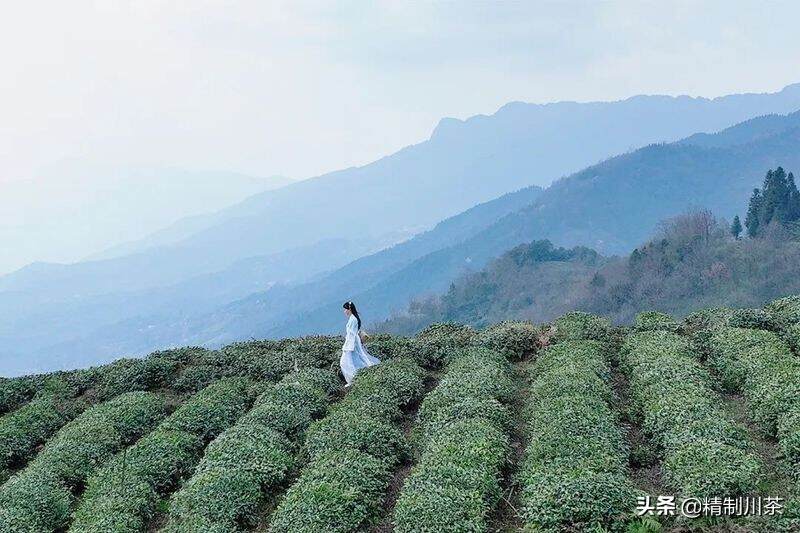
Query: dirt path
(385, 522)
(645, 466)
(506, 516)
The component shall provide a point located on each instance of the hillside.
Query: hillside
(262, 435)
(693, 262)
(611, 207)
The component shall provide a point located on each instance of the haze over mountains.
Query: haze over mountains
(76, 209)
(247, 270)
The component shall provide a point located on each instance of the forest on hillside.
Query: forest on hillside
(695, 260)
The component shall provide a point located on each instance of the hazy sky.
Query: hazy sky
(267, 87)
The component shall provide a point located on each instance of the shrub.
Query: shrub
(254, 456)
(38, 498)
(463, 426)
(750, 318)
(513, 340)
(457, 481)
(436, 343)
(14, 392)
(139, 375)
(784, 311)
(342, 487)
(195, 378)
(341, 491)
(157, 463)
(581, 326)
(574, 472)
(211, 410)
(654, 321)
(792, 336)
(23, 430)
(704, 452)
(385, 346)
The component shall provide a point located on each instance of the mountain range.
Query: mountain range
(281, 262)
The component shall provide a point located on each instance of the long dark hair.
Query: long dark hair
(350, 306)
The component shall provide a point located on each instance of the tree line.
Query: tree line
(776, 202)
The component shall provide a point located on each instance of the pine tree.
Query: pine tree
(774, 198)
(736, 228)
(793, 203)
(751, 221)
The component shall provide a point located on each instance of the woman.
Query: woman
(354, 355)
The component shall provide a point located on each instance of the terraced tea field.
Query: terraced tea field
(570, 426)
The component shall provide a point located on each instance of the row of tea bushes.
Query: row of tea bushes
(704, 452)
(123, 495)
(39, 499)
(249, 461)
(353, 452)
(62, 396)
(574, 472)
(463, 428)
(759, 364)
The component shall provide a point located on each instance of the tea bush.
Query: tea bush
(456, 483)
(126, 490)
(704, 452)
(24, 430)
(436, 343)
(38, 499)
(784, 312)
(761, 366)
(574, 472)
(15, 392)
(581, 326)
(513, 340)
(342, 488)
(251, 459)
(654, 321)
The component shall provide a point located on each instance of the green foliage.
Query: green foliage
(653, 320)
(23, 430)
(150, 373)
(761, 366)
(784, 311)
(574, 472)
(342, 488)
(125, 491)
(581, 326)
(514, 340)
(38, 498)
(462, 425)
(195, 378)
(212, 410)
(14, 392)
(385, 346)
(340, 491)
(792, 336)
(736, 227)
(247, 461)
(437, 342)
(777, 202)
(704, 452)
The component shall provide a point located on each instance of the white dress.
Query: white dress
(354, 355)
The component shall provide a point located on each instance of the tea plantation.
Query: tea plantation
(569, 426)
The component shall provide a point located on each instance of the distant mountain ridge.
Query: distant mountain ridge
(462, 164)
(620, 202)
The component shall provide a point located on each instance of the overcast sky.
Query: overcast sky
(298, 89)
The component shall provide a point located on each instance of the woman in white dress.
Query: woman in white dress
(354, 355)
